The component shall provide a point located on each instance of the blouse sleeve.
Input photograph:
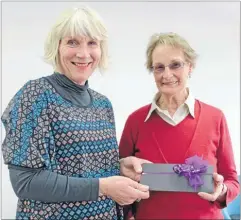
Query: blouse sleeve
(226, 165)
(28, 139)
(29, 147)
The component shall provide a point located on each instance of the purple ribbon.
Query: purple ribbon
(192, 170)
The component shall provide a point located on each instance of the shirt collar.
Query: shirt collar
(190, 102)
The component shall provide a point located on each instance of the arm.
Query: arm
(28, 150)
(226, 166)
(48, 186)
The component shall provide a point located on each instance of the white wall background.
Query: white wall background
(213, 29)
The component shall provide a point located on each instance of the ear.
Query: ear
(190, 69)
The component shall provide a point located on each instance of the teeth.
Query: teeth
(81, 64)
(170, 83)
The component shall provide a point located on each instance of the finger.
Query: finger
(218, 178)
(132, 175)
(137, 162)
(137, 177)
(212, 197)
(145, 161)
(142, 188)
(137, 165)
(206, 196)
(138, 186)
(136, 194)
(143, 195)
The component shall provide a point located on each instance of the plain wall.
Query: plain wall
(212, 29)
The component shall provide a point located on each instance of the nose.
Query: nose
(167, 73)
(83, 52)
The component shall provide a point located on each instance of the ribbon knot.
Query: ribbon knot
(192, 170)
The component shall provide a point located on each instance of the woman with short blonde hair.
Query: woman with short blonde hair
(60, 144)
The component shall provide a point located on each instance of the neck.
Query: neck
(172, 102)
(82, 83)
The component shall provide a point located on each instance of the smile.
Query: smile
(81, 64)
(170, 83)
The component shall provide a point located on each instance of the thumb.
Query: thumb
(218, 178)
(137, 165)
(145, 161)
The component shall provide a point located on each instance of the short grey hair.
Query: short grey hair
(82, 21)
(170, 39)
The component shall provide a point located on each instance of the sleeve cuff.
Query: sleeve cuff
(94, 194)
(223, 204)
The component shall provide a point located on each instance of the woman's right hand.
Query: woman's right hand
(122, 189)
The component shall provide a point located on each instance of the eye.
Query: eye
(175, 65)
(159, 68)
(72, 42)
(92, 43)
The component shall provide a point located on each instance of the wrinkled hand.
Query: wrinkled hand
(131, 167)
(123, 190)
(220, 190)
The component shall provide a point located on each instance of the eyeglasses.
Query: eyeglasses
(174, 66)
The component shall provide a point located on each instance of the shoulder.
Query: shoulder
(100, 99)
(28, 94)
(35, 87)
(211, 111)
(140, 114)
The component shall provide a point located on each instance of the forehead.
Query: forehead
(165, 54)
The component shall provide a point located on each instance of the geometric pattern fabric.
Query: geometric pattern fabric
(43, 130)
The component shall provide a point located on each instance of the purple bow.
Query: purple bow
(193, 168)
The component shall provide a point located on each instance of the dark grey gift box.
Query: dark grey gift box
(161, 177)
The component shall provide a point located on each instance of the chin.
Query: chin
(168, 90)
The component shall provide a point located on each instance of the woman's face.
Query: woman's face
(170, 69)
(78, 58)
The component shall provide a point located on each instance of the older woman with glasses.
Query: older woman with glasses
(176, 126)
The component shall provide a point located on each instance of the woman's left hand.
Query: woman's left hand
(220, 190)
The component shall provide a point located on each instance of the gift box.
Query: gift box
(195, 175)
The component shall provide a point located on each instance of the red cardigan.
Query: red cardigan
(205, 135)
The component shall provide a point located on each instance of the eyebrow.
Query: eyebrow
(71, 38)
(173, 60)
(81, 39)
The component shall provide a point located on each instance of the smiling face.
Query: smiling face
(170, 69)
(78, 57)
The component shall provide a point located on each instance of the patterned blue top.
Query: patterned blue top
(43, 130)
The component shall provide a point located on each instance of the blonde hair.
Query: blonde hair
(170, 39)
(77, 21)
